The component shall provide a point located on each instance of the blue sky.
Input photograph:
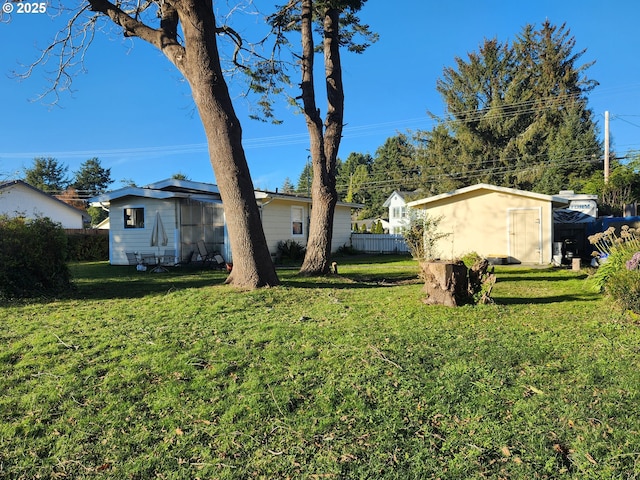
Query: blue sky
(132, 110)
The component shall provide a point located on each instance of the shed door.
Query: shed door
(525, 235)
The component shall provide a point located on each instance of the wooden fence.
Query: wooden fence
(378, 243)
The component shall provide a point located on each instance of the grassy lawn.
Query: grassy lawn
(176, 376)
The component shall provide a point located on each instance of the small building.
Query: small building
(189, 212)
(506, 223)
(397, 205)
(19, 199)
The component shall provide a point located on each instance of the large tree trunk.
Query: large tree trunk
(252, 265)
(196, 55)
(324, 144)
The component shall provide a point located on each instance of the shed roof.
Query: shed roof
(557, 201)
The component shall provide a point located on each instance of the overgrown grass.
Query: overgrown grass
(177, 376)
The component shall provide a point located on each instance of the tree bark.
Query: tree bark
(445, 283)
(324, 144)
(198, 60)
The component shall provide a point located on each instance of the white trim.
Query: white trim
(301, 209)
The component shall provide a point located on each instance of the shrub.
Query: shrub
(348, 250)
(87, 248)
(290, 250)
(421, 235)
(33, 256)
(618, 275)
(624, 287)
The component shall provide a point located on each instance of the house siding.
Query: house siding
(276, 222)
(24, 201)
(124, 240)
(341, 227)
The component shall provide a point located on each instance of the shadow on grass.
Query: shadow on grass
(528, 278)
(544, 300)
(349, 282)
(100, 280)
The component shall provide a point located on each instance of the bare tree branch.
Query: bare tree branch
(69, 48)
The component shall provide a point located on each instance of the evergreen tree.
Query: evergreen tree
(48, 175)
(305, 180)
(353, 176)
(92, 179)
(287, 186)
(516, 116)
(394, 168)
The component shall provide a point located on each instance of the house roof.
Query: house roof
(173, 188)
(556, 200)
(169, 188)
(266, 196)
(12, 183)
(185, 186)
(402, 194)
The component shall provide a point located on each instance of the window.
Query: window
(134, 217)
(399, 212)
(297, 214)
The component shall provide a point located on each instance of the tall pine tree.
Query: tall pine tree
(517, 116)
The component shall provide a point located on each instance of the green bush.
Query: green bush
(618, 275)
(88, 248)
(624, 287)
(33, 255)
(290, 250)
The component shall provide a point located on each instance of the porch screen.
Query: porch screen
(201, 221)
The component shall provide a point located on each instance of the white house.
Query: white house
(397, 205)
(19, 199)
(187, 212)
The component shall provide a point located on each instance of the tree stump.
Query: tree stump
(445, 283)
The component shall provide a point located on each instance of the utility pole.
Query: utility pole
(606, 147)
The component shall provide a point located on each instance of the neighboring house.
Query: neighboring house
(19, 199)
(397, 205)
(188, 212)
(494, 222)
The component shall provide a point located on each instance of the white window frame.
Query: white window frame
(134, 209)
(297, 221)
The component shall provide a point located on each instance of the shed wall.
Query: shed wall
(479, 222)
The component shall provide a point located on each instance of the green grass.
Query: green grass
(176, 376)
